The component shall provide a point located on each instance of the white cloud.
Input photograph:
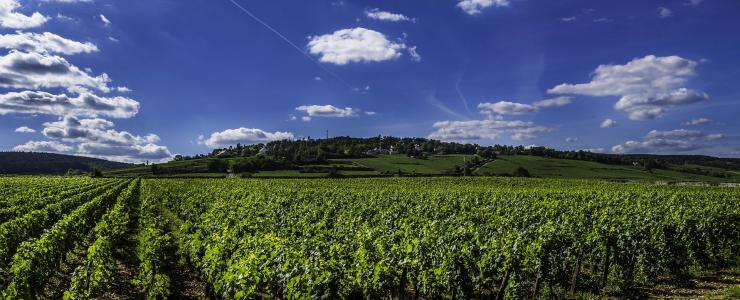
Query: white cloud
(370, 113)
(486, 130)
(554, 102)
(123, 89)
(327, 111)
(667, 142)
(693, 2)
(571, 140)
(105, 20)
(568, 19)
(377, 14)
(354, 45)
(698, 121)
(507, 108)
(43, 146)
(35, 70)
(86, 104)
(594, 150)
(112, 39)
(641, 107)
(317, 78)
(692, 135)
(44, 43)
(25, 129)
(243, 135)
(415, 56)
(97, 138)
(608, 123)
(513, 108)
(664, 13)
(474, 7)
(9, 18)
(648, 86)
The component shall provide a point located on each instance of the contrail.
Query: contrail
(299, 49)
(460, 94)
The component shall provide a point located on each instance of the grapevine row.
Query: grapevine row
(95, 275)
(36, 260)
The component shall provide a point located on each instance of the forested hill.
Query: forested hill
(32, 163)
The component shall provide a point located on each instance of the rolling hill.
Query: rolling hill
(33, 163)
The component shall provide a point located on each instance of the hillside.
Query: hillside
(434, 165)
(33, 163)
(565, 168)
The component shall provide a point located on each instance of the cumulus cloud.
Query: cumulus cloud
(698, 121)
(666, 142)
(648, 86)
(243, 135)
(96, 137)
(474, 7)
(35, 70)
(44, 43)
(85, 104)
(24, 129)
(608, 123)
(43, 146)
(354, 45)
(377, 14)
(554, 102)
(507, 108)
(9, 18)
(571, 140)
(486, 130)
(664, 13)
(514, 108)
(327, 111)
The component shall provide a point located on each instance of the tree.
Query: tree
(96, 172)
(521, 172)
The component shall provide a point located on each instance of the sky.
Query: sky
(144, 80)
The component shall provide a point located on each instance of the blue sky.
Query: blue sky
(144, 80)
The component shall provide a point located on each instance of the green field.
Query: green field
(563, 168)
(438, 164)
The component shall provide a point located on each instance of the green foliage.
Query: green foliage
(33, 223)
(444, 237)
(521, 172)
(95, 275)
(96, 172)
(154, 247)
(37, 259)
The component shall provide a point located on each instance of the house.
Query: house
(379, 151)
(265, 151)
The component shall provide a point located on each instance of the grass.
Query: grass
(564, 168)
(435, 165)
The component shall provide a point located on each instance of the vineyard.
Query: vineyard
(408, 238)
